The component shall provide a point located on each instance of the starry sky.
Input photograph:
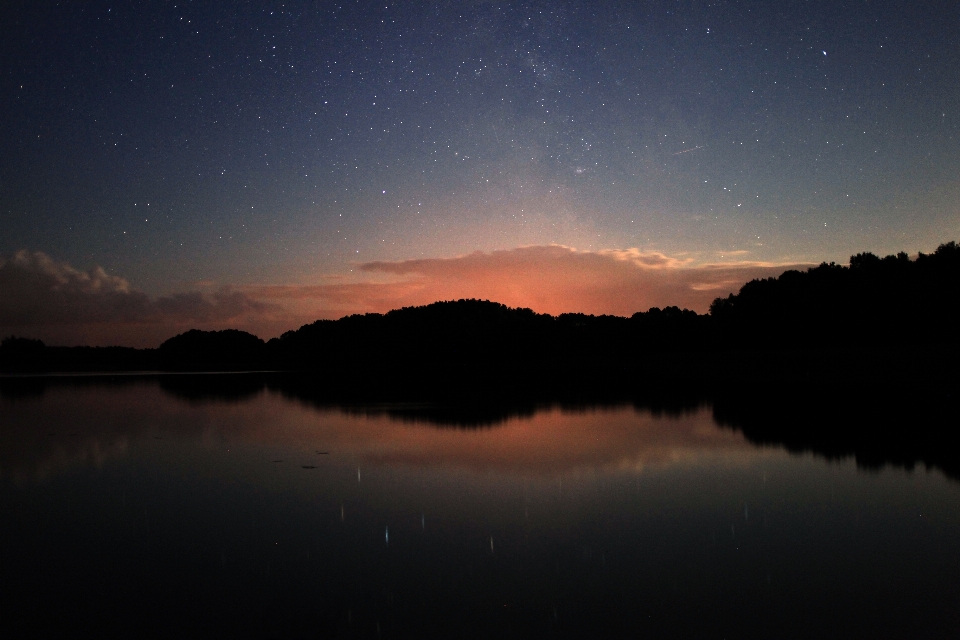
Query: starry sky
(308, 159)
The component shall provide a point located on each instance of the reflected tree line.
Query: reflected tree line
(908, 427)
(842, 360)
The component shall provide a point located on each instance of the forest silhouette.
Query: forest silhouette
(842, 360)
(874, 305)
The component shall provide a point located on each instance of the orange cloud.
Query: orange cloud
(548, 279)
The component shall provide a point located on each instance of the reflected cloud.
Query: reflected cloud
(548, 442)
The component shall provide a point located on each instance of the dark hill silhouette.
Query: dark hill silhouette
(467, 347)
(23, 354)
(228, 350)
(460, 332)
(456, 336)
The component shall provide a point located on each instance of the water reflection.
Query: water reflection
(75, 424)
(873, 431)
(240, 507)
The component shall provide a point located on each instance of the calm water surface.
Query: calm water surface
(128, 511)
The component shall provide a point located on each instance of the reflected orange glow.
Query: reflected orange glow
(549, 442)
(70, 427)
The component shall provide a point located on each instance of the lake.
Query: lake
(132, 507)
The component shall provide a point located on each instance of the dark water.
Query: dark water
(128, 511)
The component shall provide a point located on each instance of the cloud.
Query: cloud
(549, 279)
(40, 296)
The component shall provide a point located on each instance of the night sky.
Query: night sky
(263, 164)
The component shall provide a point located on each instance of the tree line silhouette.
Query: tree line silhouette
(874, 305)
(875, 302)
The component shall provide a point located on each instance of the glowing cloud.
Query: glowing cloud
(549, 279)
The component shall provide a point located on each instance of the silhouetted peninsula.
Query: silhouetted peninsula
(228, 350)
